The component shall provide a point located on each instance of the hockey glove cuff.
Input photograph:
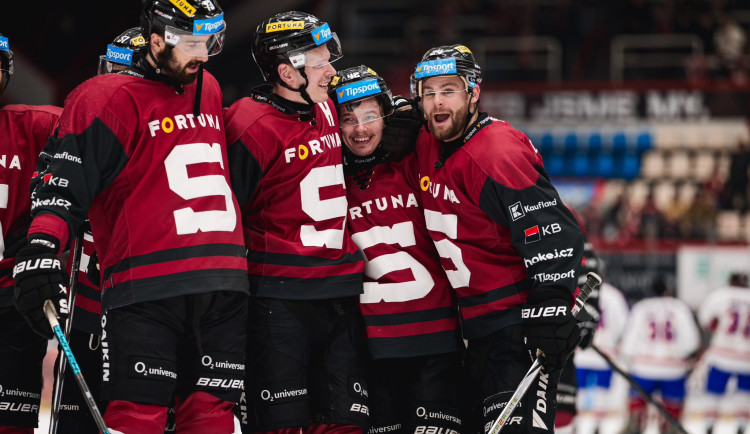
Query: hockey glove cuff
(39, 276)
(550, 326)
(402, 126)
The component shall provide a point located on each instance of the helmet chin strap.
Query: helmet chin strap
(158, 64)
(302, 90)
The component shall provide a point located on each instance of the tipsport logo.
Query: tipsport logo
(357, 90)
(4, 44)
(322, 34)
(210, 26)
(119, 55)
(433, 68)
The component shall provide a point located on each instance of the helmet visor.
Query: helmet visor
(107, 66)
(318, 56)
(195, 45)
(363, 111)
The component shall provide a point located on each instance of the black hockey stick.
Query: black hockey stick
(634, 384)
(592, 281)
(51, 314)
(58, 386)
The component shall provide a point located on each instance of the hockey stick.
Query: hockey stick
(58, 386)
(51, 314)
(634, 384)
(592, 281)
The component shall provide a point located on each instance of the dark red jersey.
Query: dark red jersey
(153, 180)
(287, 174)
(23, 132)
(497, 221)
(408, 305)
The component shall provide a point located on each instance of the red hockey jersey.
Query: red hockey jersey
(23, 132)
(287, 173)
(408, 305)
(497, 221)
(153, 180)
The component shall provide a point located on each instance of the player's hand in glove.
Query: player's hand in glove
(549, 325)
(588, 320)
(402, 126)
(39, 276)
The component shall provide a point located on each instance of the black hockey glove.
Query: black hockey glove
(402, 126)
(39, 276)
(549, 325)
(588, 320)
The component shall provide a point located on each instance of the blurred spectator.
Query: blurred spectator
(621, 220)
(715, 185)
(652, 220)
(729, 41)
(736, 189)
(673, 216)
(700, 217)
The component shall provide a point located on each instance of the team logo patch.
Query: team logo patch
(357, 90)
(322, 34)
(436, 67)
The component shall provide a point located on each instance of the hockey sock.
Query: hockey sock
(135, 418)
(202, 412)
(319, 428)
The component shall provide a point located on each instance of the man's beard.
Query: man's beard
(172, 69)
(457, 125)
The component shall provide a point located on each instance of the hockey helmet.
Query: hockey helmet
(353, 85)
(6, 61)
(453, 59)
(123, 51)
(286, 37)
(196, 27)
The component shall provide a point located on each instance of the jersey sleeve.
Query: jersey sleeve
(520, 197)
(245, 171)
(87, 155)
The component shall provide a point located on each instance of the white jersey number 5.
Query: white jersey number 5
(187, 220)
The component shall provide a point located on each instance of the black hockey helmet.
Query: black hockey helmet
(182, 20)
(453, 59)
(124, 50)
(6, 61)
(285, 37)
(359, 83)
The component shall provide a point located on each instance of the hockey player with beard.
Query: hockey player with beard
(24, 130)
(169, 239)
(305, 348)
(510, 247)
(408, 306)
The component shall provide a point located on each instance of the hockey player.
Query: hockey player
(143, 155)
(85, 336)
(305, 348)
(23, 132)
(594, 375)
(658, 345)
(510, 247)
(408, 307)
(726, 314)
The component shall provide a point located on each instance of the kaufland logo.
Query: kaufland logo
(357, 90)
(210, 26)
(516, 211)
(436, 67)
(119, 55)
(4, 45)
(322, 34)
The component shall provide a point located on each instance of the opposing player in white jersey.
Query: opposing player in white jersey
(726, 313)
(659, 343)
(594, 374)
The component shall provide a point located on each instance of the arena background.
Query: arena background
(639, 107)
